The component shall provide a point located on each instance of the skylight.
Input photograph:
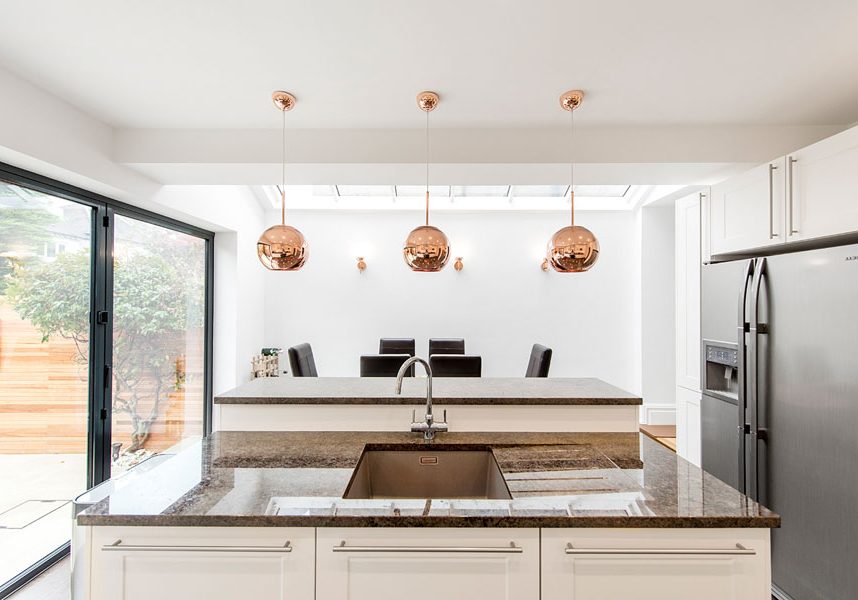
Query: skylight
(461, 197)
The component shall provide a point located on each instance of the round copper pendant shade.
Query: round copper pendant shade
(426, 249)
(282, 248)
(573, 249)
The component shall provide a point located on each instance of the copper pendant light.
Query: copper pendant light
(426, 249)
(282, 247)
(573, 249)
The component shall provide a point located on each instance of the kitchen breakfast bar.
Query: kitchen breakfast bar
(471, 404)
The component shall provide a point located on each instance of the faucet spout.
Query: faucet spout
(428, 426)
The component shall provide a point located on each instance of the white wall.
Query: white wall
(658, 314)
(501, 303)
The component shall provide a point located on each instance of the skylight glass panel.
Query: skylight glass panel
(539, 191)
(481, 191)
(418, 191)
(602, 191)
(366, 190)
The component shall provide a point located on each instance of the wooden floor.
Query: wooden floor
(663, 434)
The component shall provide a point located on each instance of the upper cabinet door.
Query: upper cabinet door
(746, 211)
(822, 188)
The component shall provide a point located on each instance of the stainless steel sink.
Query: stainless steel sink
(418, 472)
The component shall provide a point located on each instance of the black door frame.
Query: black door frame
(101, 329)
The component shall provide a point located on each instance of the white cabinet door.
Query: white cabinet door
(688, 424)
(688, 292)
(746, 211)
(822, 188)
(177, 563)
(657, 564)
(427, 564)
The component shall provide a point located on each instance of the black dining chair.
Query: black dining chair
(455, 365)
(396, 346)
(301, 361)
(383, 365)
(446, 346)
(540, 361)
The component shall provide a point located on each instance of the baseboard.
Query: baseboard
(658, 414)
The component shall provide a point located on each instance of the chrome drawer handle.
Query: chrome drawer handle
(118, 546)
(739, 550)
(511, 549)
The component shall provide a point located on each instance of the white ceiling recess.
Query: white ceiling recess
(677, 90)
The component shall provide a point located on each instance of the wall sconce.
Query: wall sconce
(361, 264)
(458, 264)
(544, 265)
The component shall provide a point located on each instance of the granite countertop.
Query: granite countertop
(445, 390)
(297, 479)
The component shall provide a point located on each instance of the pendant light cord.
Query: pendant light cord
(572, 164)
(283, 175)
(427, 167)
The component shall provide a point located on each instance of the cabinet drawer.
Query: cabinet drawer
(169, 563)
(427, 564)
(661, 564)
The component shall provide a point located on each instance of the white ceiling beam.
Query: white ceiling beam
(634, 154)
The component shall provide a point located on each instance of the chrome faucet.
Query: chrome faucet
(429, 427)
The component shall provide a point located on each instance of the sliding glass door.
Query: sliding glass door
(46, 262)
(159, 301)
(105, 353)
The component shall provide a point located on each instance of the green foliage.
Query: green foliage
(24, 227)
(54, 297)
(23, 231)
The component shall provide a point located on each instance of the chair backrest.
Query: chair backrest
(396, 346)
(383, 365)
(540, 361)
(456, 365)
(446, 346)
(301, 361)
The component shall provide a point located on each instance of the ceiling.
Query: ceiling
(496, 63)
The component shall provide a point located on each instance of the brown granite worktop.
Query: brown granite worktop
(445, 390)
(297, 479)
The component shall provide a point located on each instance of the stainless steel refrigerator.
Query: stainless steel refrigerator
(780, 406)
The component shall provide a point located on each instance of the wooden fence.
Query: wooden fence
(44, 395)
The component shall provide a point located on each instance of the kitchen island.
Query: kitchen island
(472, 404)
(588, 515)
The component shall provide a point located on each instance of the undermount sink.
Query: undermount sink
(418, 472)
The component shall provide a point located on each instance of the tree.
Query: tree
(158, 296)
(22, 233)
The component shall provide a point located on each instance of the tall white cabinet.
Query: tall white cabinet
(688, 261)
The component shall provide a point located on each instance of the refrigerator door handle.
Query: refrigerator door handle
(741, 336)
(755, 468)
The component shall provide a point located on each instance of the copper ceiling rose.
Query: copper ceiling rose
(573, 249)
(282, 247)
(427, 249)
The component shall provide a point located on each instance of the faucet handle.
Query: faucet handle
(413, 415)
